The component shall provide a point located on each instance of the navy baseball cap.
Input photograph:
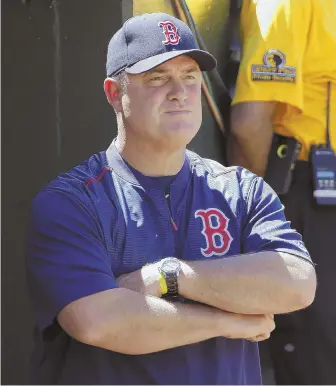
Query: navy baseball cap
(150, 39)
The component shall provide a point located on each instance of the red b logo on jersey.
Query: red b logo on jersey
(214, 246)
(170, 32)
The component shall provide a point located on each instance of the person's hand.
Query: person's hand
(144, 281)
(254, 328)
(264, 336)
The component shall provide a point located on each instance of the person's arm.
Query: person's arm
(274, 38)
(125, 321)
(250, 137)
(273, 275)
(267, 282)
(72, 285)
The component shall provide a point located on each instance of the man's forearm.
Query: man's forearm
(250, 137)
(144, 325)
(125, 321)
(260, 283)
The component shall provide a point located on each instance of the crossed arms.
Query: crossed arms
(238, 296)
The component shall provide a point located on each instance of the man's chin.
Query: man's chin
(180, 127)
(178, 137)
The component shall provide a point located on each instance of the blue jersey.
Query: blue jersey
(103, 219)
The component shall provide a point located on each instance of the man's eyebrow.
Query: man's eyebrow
(156, 71)
(192, 68)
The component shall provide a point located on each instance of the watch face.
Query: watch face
(170, 265)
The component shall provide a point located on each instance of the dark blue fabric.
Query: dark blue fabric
(97, 221)
(160, 183)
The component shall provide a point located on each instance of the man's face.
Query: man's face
(163, 106)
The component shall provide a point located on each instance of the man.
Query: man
(288, 59)
(148, 264)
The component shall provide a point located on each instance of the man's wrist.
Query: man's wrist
(169, 268)
(151, 279)
(186, 279)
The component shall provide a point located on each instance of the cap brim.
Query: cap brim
(205, 60)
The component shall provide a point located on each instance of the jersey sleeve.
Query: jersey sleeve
(66, 256)
(265, 226)
(274, 39)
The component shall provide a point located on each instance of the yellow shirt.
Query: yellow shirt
(289, 55)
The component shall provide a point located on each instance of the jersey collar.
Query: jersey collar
(117, 165)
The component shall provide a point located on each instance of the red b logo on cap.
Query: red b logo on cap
(170, 32)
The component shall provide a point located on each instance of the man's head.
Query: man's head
(154, 80)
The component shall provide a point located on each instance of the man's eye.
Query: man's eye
(157, 78)
(190, 77)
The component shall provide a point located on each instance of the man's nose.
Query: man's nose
(177, 92)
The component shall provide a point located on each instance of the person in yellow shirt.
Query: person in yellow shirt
(288, 60)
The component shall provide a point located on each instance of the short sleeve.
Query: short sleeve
(265, 226)
(66, 255)
(274, 38)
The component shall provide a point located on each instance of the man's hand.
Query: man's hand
(144, 281)
(254, 328)
(264, 336)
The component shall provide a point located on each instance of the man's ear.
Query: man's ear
(113, 93)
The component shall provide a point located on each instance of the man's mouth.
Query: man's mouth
(178, 112)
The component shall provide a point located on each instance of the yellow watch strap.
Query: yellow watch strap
(163, 284)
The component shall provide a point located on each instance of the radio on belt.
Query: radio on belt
(323, 160)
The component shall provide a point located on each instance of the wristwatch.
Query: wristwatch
(170, 268)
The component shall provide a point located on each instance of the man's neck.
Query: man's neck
(149, 160)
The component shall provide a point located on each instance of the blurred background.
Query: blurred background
(54, 116)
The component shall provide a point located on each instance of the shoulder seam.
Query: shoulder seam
(98, 179)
